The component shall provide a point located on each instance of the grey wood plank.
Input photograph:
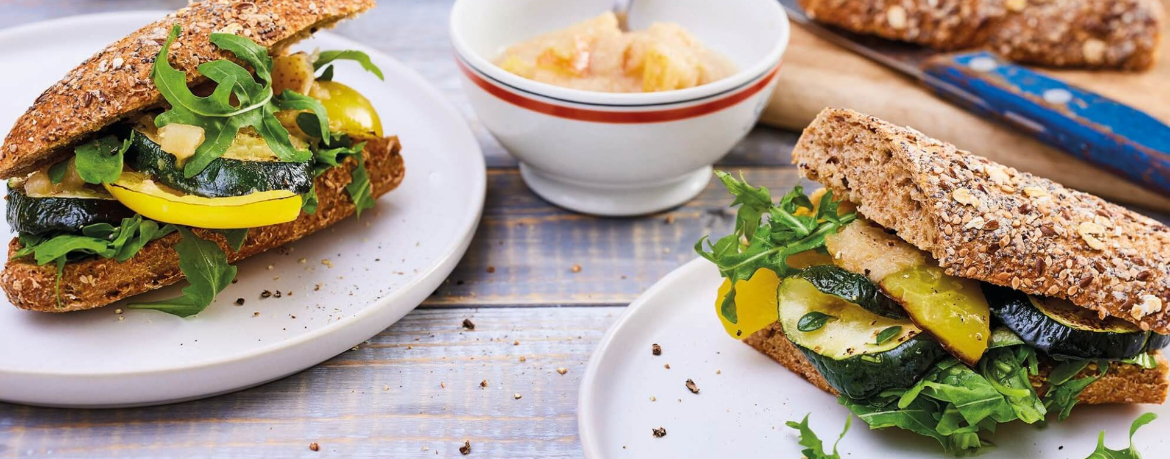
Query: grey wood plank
(412, 391)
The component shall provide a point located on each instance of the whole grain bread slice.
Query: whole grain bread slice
(1123, 383)
(985, 221)
(116, 84)
(1116, 34)
(98, 282)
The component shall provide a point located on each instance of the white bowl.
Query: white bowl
(609, 153)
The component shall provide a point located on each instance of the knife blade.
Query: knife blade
(1102, 131)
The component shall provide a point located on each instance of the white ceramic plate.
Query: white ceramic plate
(381, 266)
(745, 398)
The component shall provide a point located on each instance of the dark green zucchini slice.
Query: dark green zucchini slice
(1157, 341)
(1061, 329)
(65, 213)
(223, 177)
(854, 288)
(846, 349)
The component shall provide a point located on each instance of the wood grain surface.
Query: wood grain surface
(414, 390)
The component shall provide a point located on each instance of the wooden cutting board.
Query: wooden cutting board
(817, 74)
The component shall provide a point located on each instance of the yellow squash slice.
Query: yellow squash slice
(755, 303)
(157, 202)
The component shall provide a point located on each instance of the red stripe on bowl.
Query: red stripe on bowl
(617, 117)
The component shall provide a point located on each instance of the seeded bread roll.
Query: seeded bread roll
(1123, 383)
(115, 83)
(992, 223)
(97, 282)
(1114, 34)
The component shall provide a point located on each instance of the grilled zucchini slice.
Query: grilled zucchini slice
(1061, 329)
(858, 352)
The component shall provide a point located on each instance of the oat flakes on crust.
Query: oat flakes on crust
(985, 221)
(98, 282)
(115, 83)
(1121, 384)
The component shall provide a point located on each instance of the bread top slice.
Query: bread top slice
(985, 221)
(116, 83)
(1112, 34)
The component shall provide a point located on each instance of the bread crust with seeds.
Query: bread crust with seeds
(1123, 383)
(97, 282)
(1116, 34)
(992, 223)
(116, 82)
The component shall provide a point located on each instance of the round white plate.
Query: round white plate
(745, 398)
(339, 286)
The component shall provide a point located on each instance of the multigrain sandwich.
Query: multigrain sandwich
(193, 142)
(936, 291)
(1099, 34)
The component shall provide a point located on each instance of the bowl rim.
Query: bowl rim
(741, 78)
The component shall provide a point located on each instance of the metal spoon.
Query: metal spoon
(621, 9)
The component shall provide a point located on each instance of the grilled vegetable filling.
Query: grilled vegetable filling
(58, 200)
(241, 154)
(248, 166)
(903, 343)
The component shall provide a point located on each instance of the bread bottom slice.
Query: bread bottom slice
(1121, 384)
(97, 282)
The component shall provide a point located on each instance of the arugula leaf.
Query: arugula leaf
(888, 334)
(1005, 370)
(290, 100)
(954, 404)
(207, 271)
(325, 57)
(360, 190)
(1129, 453)
(1063, 390)
(57, 171)
(235, 237)
(309, 201)
(813, 321)
(791, 227)
(814, 449)
(148, 230)
(100, 161)
(1145, 360)
(327, 74)
(219, 118)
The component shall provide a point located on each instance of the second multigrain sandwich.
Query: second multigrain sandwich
(195, 141)
(936, 291)
(1098, 34)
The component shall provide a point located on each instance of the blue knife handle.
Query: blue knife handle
(1097, 129)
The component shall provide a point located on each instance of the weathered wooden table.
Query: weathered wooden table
(415, 389)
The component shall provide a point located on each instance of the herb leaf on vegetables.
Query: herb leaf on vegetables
(208, 273)
(888, 334)
(813, 321)
(814, 448)
(791, 227)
